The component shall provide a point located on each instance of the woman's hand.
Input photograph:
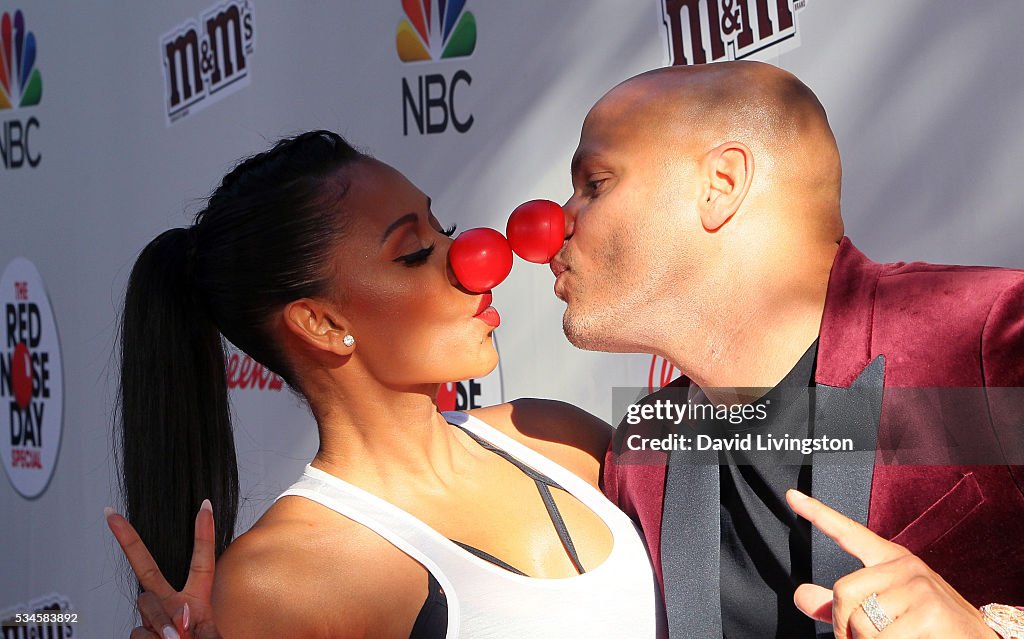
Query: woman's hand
(167, 613)
(915, 601)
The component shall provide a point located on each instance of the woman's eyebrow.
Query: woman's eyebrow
(405, 219)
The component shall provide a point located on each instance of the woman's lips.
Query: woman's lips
(489, 316)
(486, 313)
(485, 301)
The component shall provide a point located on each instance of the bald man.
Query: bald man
(705, 227)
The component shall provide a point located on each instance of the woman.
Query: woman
(328, 267)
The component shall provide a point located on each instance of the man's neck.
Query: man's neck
(758, 338)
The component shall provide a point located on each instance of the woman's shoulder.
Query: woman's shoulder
(566, 434)
(299, 573)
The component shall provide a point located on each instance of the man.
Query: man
(705, 228)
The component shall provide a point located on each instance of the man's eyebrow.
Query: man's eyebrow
(582, 156)
(408, 218)
(577, 159)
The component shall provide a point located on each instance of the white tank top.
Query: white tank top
(616, 599)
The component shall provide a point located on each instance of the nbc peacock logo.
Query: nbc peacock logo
(435, 29)
(21, 84)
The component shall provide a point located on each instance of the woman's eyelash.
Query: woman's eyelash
(422, 255)
(419, 257)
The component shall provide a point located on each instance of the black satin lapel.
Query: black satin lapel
(690, 545)
(843, 480)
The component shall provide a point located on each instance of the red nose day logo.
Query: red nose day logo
(473, 393)
(31, 380)
(737, 28)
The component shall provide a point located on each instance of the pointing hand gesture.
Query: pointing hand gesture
(895, 595)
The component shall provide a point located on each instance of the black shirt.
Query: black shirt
(766, 548)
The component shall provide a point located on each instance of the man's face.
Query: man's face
(628, 230)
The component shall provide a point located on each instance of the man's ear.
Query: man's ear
(727, 171)
(318, 326)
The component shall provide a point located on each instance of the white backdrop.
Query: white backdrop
(925, 97)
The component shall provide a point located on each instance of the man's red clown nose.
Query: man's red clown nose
(481, 259)
(536, 230)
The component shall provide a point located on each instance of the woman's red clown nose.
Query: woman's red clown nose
(481, 258)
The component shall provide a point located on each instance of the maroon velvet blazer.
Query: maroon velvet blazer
(893, 327)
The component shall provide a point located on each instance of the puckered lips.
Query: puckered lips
(558, 267)
(487, 313)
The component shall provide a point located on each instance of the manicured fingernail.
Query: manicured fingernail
(107, 512)
(797, 495)
(185, 618)
(170, 633)
(207, 505)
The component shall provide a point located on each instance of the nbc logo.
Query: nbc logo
(434, 30)
(418, 29)
(21, 85)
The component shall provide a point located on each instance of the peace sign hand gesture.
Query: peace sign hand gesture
(167, 613)
(895, 595)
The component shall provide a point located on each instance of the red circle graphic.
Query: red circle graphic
(21, 375)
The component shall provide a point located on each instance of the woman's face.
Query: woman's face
(412, 322)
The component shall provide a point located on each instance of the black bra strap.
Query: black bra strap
(556, 519)
(486, 556)
(531, 473)
(543, 482)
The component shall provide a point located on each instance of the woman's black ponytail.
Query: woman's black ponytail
(267, 236)
(177, 444)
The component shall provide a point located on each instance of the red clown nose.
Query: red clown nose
(536, 230)
(481, 259)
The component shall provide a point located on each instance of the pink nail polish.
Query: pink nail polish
(207, 505)
(185, 618)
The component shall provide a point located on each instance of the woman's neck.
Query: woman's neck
(385, 437)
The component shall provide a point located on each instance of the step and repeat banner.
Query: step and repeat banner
(117, 119)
